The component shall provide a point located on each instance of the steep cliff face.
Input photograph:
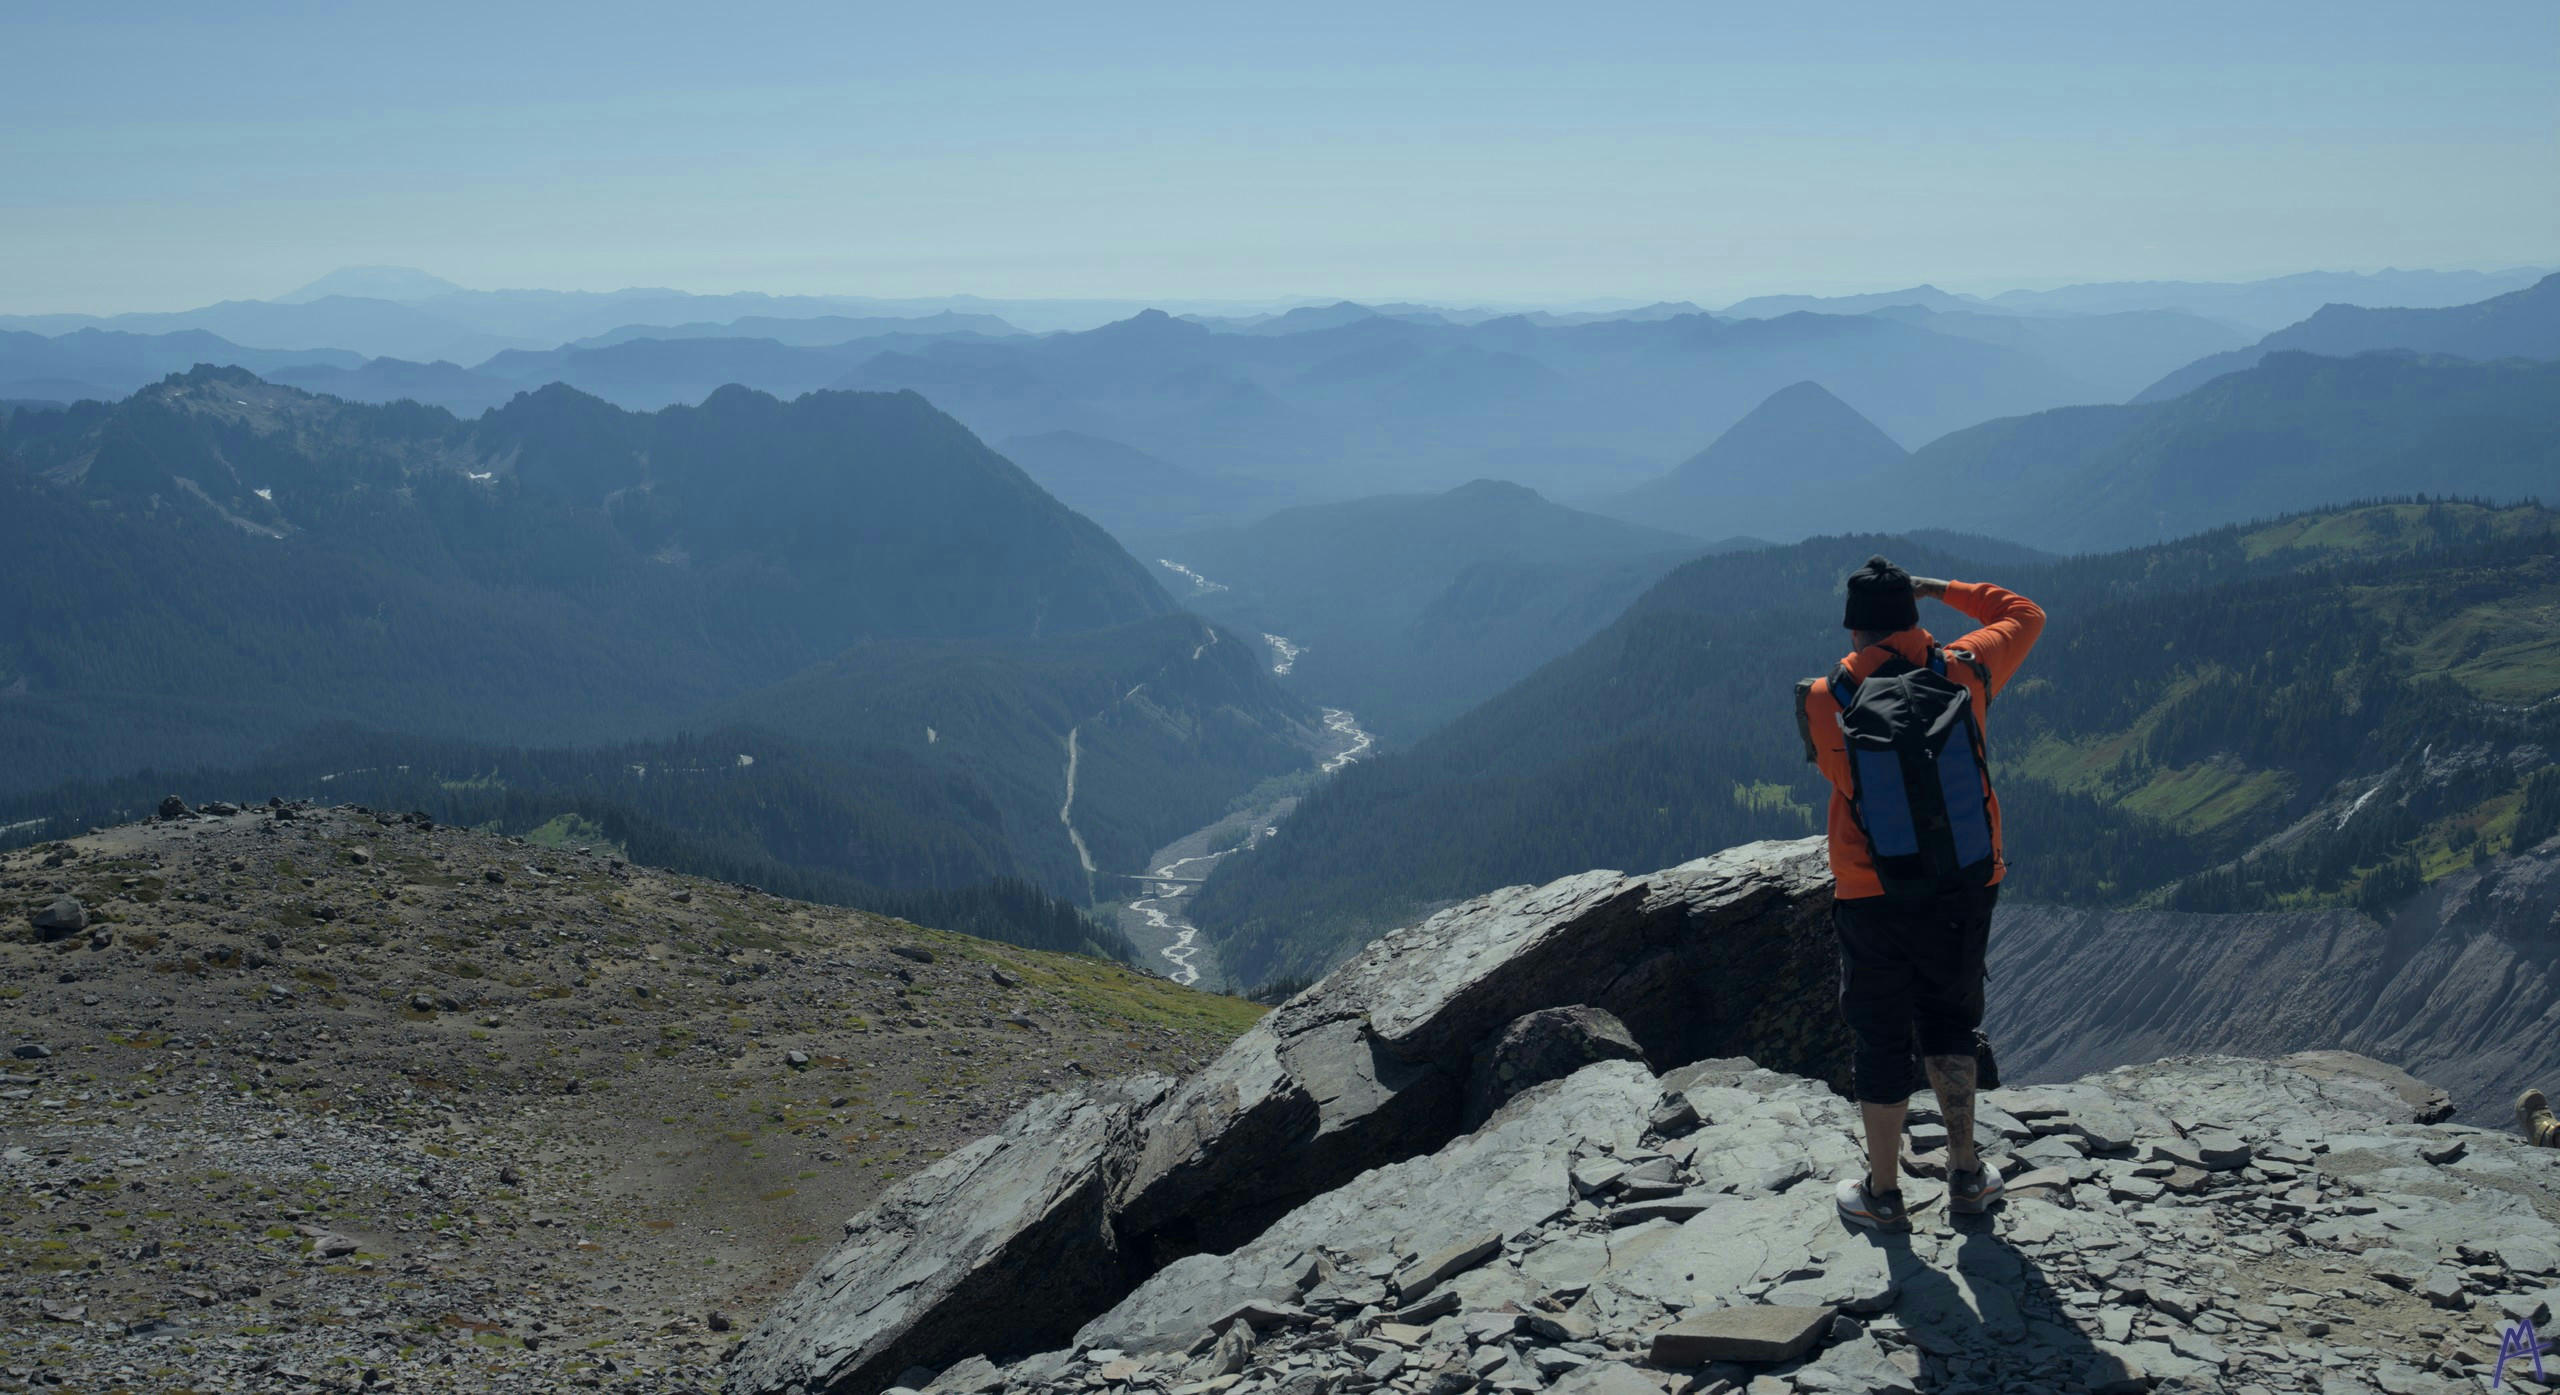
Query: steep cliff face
(2462, 986)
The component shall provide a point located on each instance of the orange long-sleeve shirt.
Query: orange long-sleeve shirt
(2010, 624)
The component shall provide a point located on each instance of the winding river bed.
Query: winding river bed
(1154, 920)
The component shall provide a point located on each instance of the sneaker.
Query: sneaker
(1972, 1193)
(2533, 1115)
(1861, 1207)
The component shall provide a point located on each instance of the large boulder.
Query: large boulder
(1725, 956)
(1540, 1046)
(59, 919)
(999, 1247)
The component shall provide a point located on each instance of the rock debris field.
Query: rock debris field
(305, 1099)
(2216, 1224)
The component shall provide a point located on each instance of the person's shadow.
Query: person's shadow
(1984, 1317)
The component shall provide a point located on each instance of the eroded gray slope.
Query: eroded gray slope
(2462, 987)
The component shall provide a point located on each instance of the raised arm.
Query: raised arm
(2010, 623)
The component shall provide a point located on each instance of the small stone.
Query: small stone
(173, 808)
(1561, 1327)
(2221, 1152)
(32, 1051)
(1261, 1316)
(918, 953)
(1755, 1334)
(1426, 1272)
(1669, 1208)
(2450, 1150)
(2443, 1289)
(717, 1322)
(2177, 1304)
(1592, 1176)
(2134, 1189)
(1429, 1310)
(61, 919)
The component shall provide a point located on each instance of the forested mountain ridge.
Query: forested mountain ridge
(835, 644)
(2523, 323)
(1800, 439)
(2191, 702)
(558, 570)
(2297, 431)
(899, 775)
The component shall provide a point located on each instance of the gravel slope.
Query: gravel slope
(328, 1099)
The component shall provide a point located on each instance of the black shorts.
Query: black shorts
(1910, 978)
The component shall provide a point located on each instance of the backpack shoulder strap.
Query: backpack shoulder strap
(1981, 671)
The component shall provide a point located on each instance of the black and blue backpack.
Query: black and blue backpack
(1921, 789)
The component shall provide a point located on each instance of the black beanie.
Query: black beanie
(1880, 599)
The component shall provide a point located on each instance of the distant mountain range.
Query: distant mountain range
(2254, 306)
(1409, 609)
(2519, 324)
(1398, 404)
(2277, 300)
(2296, 431)
(1338, 400)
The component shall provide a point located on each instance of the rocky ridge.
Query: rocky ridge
(1344, 1203)
(306, 1098)
(1012, 1243)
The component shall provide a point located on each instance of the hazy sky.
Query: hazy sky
(165, 155)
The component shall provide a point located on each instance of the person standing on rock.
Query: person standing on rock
(1916, 858)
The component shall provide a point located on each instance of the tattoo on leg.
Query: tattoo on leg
(1952, 1078)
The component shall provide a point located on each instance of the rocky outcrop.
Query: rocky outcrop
(2462, 986)
(1011, 1234)
(2203, 1224)
(1367, 1069)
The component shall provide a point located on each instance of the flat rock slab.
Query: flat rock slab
(1427, 1271)
(1511, 1174)
(1761, 1335)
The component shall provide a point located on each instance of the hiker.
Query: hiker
(1916, 861)
(2534, 1116)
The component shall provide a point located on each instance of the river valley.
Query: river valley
(1153, 917)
